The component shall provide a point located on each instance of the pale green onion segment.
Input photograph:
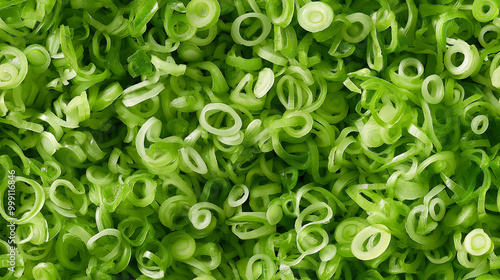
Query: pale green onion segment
(376, 240)
(433, 89)
(477, 242)
(484, 10)
(238, 36)
(203, 14)
(315, 16)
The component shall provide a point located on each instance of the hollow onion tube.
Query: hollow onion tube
(250, 225)
(173, 212)
(238, 195)
(38, 56)
(484, 10)
(38, 201)
(442, 162)
(289, 92)
(176, 24)
(470, 64)
(285, 41)
(161, 155)
(375, 58)
(204, 38)
(142, 188)
(203, 14)
(103, 219)
(209, 254)
(105, 251)
(193, 161)
(201, 216)
(371, 242)
(213, 108)
(465, 215)
(173, 185)
(463, 257)
(296, 155)
(107, 96)
(181, 245)
(72, 202)
(45, 271)
(436, 203)
(484, 36)
(280, 11)
(135, 230)
(453, 19)
(214, 191)
(348, 229)
(315, 16)
(433, 89)
(189, 52)
(136, 97)
(421, 230)
(266, 270)
(71, 249)
(236, 29)
(311, 239)
(477, 242)
(153, 258)
(49, 143)
(479, 124)
(359, 28)
(296, 124)
(109, 196)
(325, 213)
(406, 75)
(32, 252)
(440, 255)
(14, 67)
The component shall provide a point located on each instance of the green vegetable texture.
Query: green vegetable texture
(249, 139)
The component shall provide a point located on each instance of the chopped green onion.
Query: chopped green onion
(202, 14)
(377, 239)
(358, 29)
(315, 16)
(249, 139)
(236, 29)
(484, 10)
(433, 89)
(477, 242)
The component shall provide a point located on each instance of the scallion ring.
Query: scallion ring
(358, 30)
(484, 10)
(433, 89)
(236, 29)
(477, 242)
(371, 242)
(479, 124)
(315, 16)
(203, 14)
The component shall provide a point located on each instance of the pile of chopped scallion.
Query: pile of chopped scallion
(249, 139)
